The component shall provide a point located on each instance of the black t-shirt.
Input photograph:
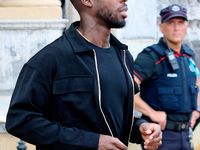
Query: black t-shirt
(114, 90)
(147, 68)
(114, 87)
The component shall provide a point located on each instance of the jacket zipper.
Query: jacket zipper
(99, 90)
(133, 94)
(185, 87)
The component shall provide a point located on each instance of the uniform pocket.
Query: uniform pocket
(169, 98)
(194, 89)
(74, 99)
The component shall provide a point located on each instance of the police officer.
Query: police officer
(167, 75)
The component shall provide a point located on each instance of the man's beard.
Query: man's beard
(110, 18)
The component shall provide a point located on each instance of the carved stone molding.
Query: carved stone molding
(31, 24)
(30, 9)
(28, 3)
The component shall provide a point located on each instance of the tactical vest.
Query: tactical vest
(173, 91)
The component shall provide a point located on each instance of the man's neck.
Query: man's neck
(97, 35)
(174, 46)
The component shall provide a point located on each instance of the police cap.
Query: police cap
(173, 11)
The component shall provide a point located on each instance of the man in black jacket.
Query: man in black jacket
(77, 92)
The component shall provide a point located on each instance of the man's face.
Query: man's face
(174, 29)
(112, 12)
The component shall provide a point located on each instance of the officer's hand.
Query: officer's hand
(195, 116)
(110, 143)
(152, 135)
(160, 117)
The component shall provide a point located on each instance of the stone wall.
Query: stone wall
(141, 27)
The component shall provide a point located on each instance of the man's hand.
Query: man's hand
(160, 117)
(195, 116)
(156, 116)
(110, 143)
(151, 134)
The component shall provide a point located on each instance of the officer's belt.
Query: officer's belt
(171, 125)
(177, 126)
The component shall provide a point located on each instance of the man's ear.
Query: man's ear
(88, 3)
(188, 24)
(161, 27)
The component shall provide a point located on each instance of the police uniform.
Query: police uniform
(172, 91)
(167, 90)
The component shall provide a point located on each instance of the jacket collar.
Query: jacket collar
(79, 44)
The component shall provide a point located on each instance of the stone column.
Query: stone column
(30, 9)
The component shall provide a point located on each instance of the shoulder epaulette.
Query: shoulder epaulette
(188, 51)
(158, 49)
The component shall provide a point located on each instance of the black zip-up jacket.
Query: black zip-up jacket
(56, 104)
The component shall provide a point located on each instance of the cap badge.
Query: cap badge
(175, 8)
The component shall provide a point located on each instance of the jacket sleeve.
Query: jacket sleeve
(30, 116)
(136, 135)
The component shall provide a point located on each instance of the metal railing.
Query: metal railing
(21, 145)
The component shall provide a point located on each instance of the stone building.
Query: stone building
(28, 25)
